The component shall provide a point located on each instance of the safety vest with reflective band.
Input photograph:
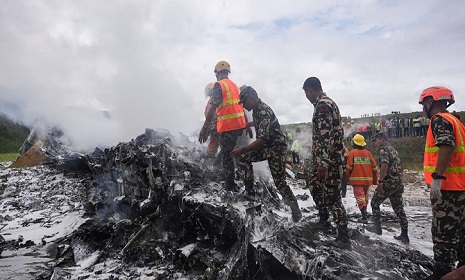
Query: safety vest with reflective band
(455, 172)
(230, 112)
(361, 168)
(295, 146)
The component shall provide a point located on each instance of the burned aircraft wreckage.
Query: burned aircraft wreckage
(156, 205)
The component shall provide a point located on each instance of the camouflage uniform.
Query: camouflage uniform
(328, 151)
(448, 230)
(392, 186)
(227, 142)
(274, 150)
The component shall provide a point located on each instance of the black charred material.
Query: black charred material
(159, 205)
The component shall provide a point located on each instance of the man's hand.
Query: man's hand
(237, 152)
(203, 136)
(435, 191)
(322, 173)
(248, 131)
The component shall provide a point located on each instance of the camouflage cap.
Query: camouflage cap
(246, 91)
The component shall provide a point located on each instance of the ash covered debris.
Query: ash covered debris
(157, 210)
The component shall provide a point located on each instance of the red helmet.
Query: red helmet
(438, 93)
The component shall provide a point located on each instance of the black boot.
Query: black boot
(323, 213)
(364, 212)
(342, 240)
(325, 225)
(403, 237)
(296, 213)
(376, 228)
(230, 185)
(291, 201)
(249, 188)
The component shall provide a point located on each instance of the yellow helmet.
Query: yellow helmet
(222, 65)
(359, 140)
(208, 87)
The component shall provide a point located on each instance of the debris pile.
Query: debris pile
(157, 210)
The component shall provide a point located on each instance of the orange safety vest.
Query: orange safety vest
(455, 172)
(361, 168)
(230, 112)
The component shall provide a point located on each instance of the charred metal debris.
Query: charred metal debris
(158, 209)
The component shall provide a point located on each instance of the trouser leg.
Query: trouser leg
(227, 142)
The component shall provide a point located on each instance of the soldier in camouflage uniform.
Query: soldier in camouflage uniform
(270, 145)
(389, 186)
(444, 169)
(328, 157)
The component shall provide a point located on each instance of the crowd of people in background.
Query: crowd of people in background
(395, 127)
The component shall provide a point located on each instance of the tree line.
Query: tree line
(12, 135)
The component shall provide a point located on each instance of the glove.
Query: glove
(435, 191)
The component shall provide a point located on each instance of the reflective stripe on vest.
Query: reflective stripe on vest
(230, 112)
(361, 167)
(455, 171)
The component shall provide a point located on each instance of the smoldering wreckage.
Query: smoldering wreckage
(155, 209)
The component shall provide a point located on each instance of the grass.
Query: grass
(8, 157)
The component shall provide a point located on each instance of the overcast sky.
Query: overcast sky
(146, 63)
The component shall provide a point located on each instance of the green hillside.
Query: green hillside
(12, 135)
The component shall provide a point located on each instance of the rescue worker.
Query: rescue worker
(231, 119)
(444, 170)
(214, 144)
(389, 186)
(270, 145)
(328, 161)
(295, 152)
(362, 172)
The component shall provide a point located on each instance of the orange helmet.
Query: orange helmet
(438, 93)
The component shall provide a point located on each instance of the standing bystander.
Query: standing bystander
(295, 152)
